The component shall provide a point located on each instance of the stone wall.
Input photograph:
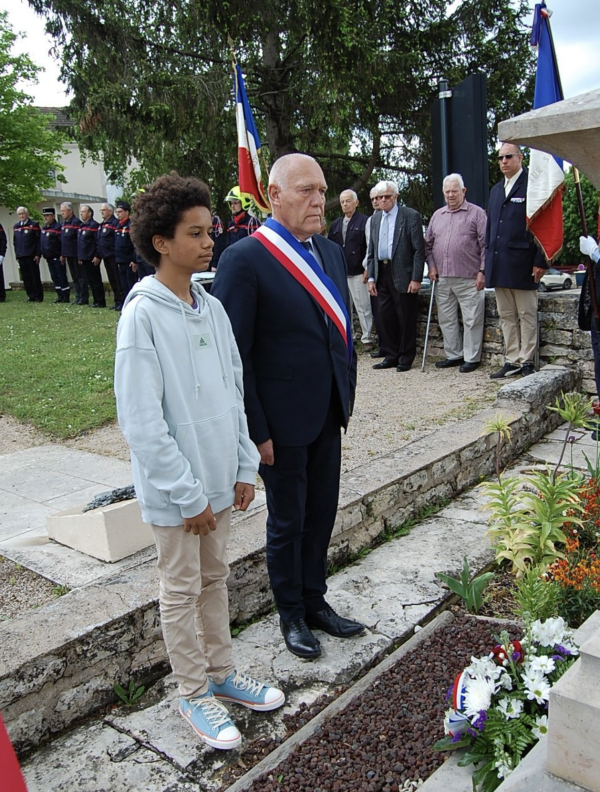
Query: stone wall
(561, 341)
(60, 662)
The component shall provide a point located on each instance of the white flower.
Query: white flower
(478, 695)
(550, 632)
(505, 682)
(541, 726)
(510, 707)
(537, 687)
(543, 663)
(484, 667)
(504, 766)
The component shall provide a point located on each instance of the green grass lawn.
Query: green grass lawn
(56, 364)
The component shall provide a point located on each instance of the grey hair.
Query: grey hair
(67, 205)
(352, 193)
(22, 209)
(382, 186)
(451, 177)
(280, 171)
(108, 206)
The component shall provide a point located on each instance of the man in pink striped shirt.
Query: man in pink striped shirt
(455, 253)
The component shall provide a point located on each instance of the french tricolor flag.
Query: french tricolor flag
(546, 175)
(250, 178)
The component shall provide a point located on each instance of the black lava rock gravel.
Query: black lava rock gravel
(385, 737)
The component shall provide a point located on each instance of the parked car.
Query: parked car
(555, 279)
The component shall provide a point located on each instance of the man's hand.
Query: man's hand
(414, 287)
(372, 288)
(244, 495)
(480, 281)
(267, 455)
(95, 261)
(201, 524)
(62, 259)
(365, 277)
(433, 274)
(36, 259)
(133, 266)
(538, 273)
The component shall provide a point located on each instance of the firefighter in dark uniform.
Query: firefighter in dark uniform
(106, 252)
(68, 247)
(242, 224)
(218, 236)
(124, 251)
(3, 245)
(87, 253)
(51, 249)
(26, 239)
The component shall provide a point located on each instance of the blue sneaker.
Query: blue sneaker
(210, 719)
(242, 689)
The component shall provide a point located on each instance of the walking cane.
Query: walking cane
(428, 323)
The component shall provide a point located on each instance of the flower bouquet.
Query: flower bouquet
(500, 702)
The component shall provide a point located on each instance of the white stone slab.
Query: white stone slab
(98, 758)
(109, 533)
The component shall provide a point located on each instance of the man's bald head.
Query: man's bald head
(297, 189)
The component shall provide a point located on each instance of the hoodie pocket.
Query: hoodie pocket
(212, 448)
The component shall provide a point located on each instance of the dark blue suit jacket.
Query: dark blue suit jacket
(355, 248)
(511, 253)
(292, 358)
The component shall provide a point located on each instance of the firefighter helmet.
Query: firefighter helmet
(235, 194)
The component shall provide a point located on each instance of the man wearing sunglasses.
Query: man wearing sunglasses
(513, 264)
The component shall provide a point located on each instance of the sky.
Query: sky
(575, 27)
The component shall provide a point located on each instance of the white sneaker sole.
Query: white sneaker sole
(272, 705)
(222, 745)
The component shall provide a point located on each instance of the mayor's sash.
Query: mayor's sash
(303, 266)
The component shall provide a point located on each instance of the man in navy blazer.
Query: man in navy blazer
(513, 264)
(299, 384)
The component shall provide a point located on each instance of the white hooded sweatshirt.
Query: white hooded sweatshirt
(180, 403)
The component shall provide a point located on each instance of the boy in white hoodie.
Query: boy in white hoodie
(178, 385)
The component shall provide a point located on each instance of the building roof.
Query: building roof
(61, 119)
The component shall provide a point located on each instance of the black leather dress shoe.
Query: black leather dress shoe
(467, 367)
(402, 367)
(330, 622)
(378, 354)
(449, 363)
(385, 364)
(299, 639)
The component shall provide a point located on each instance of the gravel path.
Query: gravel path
(384, 738)
(391, 410)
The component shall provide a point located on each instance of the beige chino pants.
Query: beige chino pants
(517, 309)
(450, 293)
(194, 605)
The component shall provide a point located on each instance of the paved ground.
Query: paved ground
(391, 590)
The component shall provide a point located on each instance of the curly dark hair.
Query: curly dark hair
(159, 209)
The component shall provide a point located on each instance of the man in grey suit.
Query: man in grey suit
(395, 263)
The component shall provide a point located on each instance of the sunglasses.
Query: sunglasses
(505, 156)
